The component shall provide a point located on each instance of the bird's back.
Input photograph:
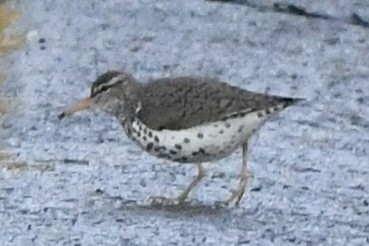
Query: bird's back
(184, 102)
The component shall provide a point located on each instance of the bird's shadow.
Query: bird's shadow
(191, 208)
(188, 208)
(121, 209)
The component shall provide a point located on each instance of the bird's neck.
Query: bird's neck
(128, 103)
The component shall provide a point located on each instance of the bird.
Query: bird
(185, 119)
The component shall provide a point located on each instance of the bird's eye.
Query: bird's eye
(93, 92)
(97, 90)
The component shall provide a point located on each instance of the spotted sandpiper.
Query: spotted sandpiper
(185, 119)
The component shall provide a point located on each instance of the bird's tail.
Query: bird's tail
(288, 101)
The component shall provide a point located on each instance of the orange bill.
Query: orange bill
(81, 105)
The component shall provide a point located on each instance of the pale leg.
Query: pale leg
(193, 184)
(237, 195)
(185, 193)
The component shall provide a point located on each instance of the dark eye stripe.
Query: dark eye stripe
(103, 84)
(95, 91)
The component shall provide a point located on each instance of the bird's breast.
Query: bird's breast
(202, 143)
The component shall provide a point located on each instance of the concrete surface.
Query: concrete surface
(80, 181)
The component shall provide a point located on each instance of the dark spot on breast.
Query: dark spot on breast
(182, 159)
(144, 138)
(260, 114)
(228, 125)
(215, 125)
(178, 146)
(195, 153)
(156, 139)
(276, 108)
(186, 140)
(145, 130)
(150, 134)
(267, 111)
(140, 128)
(240, 128)
(164, 155)
(138, 134)
(149, 146)
(200, 135)
(157, 148)
(173, 152)
(202, 151)
(221, 132)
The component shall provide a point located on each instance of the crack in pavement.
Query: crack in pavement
(353, 19)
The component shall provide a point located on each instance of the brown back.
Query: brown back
(184, 102)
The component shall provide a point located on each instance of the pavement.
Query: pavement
(80, 181)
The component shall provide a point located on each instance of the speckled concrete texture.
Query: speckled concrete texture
(80, 181)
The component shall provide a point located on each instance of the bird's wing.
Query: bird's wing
(184, 102)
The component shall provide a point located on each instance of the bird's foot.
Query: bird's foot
(235, 197)
(164, 201)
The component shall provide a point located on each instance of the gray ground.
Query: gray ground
(310, 164)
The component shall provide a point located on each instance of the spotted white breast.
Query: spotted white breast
(203, 143)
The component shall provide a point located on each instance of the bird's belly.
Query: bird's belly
(202, 143)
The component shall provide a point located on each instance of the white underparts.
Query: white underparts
(203, 143)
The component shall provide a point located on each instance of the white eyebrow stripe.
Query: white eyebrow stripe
(111, 82)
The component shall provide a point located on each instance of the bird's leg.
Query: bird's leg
(237, 195)
(193, 184)
(185, 193)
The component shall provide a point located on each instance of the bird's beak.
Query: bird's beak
(81, 105)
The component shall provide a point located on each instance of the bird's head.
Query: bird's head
(112, 92)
